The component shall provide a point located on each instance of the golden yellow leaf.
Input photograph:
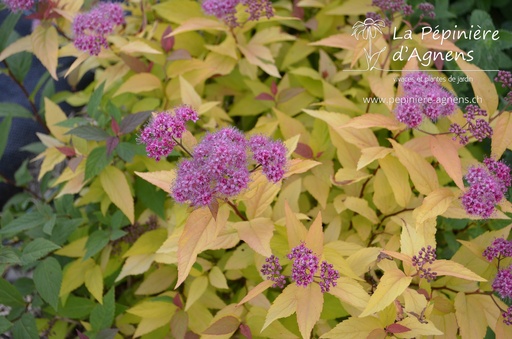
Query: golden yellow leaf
(398, 179)
(74, 275)
(417, 328)
(116, 186)
(94, 282)
(351, 292)
(161, 179)
(361, 207)
(139, 47)
(291, 127)
(20, 45)
(344, 41)
(189, 95)
(294, 228)
(445, 151)
(260, 194)
(217, 278)
(138, 83)
(470, 317)
(197, 288)
(369, 120)
(423, 175)
(310, 301)
(296, 166)
(434, 204)
(391, 285)
(147, 243)
(154, 314)
(370, 154)
(52, 157)
(257, 234)
(54, 115)
(502, 135)
(75, 249)
(45, 43)
(196, 24)
(257, 290)
(411, 241)
(354, 328)
(483, 87)
(400, 256)
(260, 56)
(348, 176)
(454, 269)
(136, 264)
(362, 260)
(315, 236)
(157, 281)
(284, 305)
(78, 61)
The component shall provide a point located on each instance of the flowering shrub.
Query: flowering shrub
(259, 169)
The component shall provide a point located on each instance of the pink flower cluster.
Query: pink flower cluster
(487, 186)
(428, 9)
(226, 9)
(272, 269)
(161, 132)
(393, 6)
(91, 28)
(423, 96)
(500, 248)
(502, 283)
(219, 166)
(479, 128)
(425, 256)
(19, 5)
(505, 78)
(305, 266)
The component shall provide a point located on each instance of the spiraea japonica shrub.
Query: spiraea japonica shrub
(259, 169)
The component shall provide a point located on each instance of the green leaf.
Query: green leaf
(5, 127)
(7, 28)
(25, 328)
(76, 308)
(127, 151)
(36, 250)
(9, 295)
(48, 225)
(48, 279)
(97, 160)
(102, 316)
(150, 196)
(89, 133)
(20, 65)
(22, 174)
(25, 222)
(9, 109)
(8, 256)
(5, 325)
(96, 242)
(94, 101)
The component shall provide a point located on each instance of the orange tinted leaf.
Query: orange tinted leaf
(294, 228)
(423, 175)
(257, 234)
(454, 269)
(315, 236)
(310, 301)
(434, 204)
(257, 290)
(161, 179)
(373, 120)
(370, 154)
(502, 135)
(445, 151)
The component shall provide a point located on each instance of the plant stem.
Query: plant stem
(237, 211)
(179, 143)
(35, 112)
